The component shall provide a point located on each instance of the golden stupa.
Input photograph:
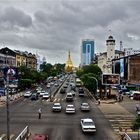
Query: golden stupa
(69, 64)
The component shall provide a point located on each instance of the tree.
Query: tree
(88, 75)
(89, 81)
(136, 124)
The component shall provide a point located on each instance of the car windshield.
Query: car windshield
(56, 105)
(85, 104)
(71, 106)
(88, 123)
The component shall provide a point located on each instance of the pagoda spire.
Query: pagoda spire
(69, 64)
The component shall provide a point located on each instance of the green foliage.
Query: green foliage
(79, 73)
(88, 74)
(93, 68)
(89, 82)
(136, 124)
(25, 83)
(28, 77)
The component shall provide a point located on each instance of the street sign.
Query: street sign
(110, 79)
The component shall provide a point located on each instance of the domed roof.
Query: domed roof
(110, 37)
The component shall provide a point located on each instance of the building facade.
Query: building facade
(32, 61)
(87, 52)
(7, 58)
(105, 59)
(128, 67)
(130, 51)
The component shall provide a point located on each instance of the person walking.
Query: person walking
(137, 107)
(39, 113)
(99, 101)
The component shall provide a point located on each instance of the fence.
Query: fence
(24, 134)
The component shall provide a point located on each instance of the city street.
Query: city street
(59, 125)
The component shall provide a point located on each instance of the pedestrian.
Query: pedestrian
(137, 107)
(39, 113)
(122, 97)
(99, 101)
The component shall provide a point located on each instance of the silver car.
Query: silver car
(57, 107)
(85, 107)
(70, 109)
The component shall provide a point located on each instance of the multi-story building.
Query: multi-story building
(128, 67)
(105, 59)
(130, 51)
(7, 58)
(31, 61)
(87, 52)
(21, 58)
(17, 58)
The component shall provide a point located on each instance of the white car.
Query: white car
(27, 94)
(42, 92)
(48, 85)
(56, 84)
(88, 125)
(57, 107)
(85, 107)
(70, 109)
(46, 95)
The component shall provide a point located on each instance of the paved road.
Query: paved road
(59, 126)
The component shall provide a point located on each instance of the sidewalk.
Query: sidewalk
(118, 117)
(14, 97)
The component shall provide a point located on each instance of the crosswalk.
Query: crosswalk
(54, 100)
(121, 122)
(4, 137)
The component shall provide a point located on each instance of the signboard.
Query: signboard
(110, 79)
(12, 74)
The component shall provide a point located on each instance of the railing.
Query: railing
(24, 134)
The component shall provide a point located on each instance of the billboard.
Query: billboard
(110, 79)
(122, 68)
(12, 74)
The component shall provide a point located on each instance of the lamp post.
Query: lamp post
(7, 101)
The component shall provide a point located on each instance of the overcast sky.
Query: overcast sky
(53, 27)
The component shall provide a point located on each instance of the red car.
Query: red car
(40, 137)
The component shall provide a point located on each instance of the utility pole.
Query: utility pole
(7, 100)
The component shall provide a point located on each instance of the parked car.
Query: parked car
(34, 96)
(46, 95)
(88, 125)
(134, 95)
(85, 107)
(70, 108)
(27, 94)
(57, 107)
(40, 137)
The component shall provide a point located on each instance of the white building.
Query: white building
(105, 59)
(130, 51)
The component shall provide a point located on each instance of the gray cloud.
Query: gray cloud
(15, 17)
(54, 27)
